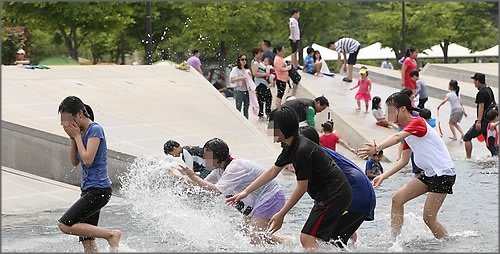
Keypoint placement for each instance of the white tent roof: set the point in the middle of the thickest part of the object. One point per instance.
(454, 50)
(493, 51)
(375, 51)
(326, 53)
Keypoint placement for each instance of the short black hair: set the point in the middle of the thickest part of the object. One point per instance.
(194, 51)
(310, 133)
(169, 146)
(285, 119)
(267, 43)
(380, 153)
(491, 114)
(330, 43)
(322, 101)
(310, 50)
(414, 73)
(425, 113)
(294, 11)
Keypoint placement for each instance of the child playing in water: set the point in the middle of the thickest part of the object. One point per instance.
(191, 155)
(373, 166)
(365, 85)
(457, 109)
(330, 139)
(492, 132)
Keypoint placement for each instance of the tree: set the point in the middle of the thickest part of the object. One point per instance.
(456, 22)
(74, 20)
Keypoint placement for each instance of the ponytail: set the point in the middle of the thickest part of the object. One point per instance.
(88, 112)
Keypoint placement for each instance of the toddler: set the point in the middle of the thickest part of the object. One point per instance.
(269, 70)
(373, 167)
(365, 85)
(492, 132)
(379, 114)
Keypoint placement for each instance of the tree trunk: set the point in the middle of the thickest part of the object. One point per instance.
(74, 51)
(67, 38)
(445, 49)
(222, 60)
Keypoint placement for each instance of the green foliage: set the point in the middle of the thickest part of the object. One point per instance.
(9, 47)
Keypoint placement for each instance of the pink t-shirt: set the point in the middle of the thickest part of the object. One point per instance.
(279, 62)
(329, 141)
(411, 65)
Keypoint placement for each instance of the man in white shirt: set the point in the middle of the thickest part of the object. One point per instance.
(387, 64)
(294, 36)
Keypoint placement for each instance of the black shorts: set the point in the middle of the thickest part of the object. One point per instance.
(87, 208)
(438, 184)
(281, 87)
(353, 56)
(348, 224)
(472, 132)
(324, 217)
(294, 45)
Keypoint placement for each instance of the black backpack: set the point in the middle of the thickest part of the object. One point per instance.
(493, 104)
(294, 75)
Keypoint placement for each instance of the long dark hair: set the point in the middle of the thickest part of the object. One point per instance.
(400, 99)
(454, 86)
(73, 105)
(239, 62)
(376, 102)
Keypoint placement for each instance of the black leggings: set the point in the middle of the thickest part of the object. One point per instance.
(281, 88)
(264, 96)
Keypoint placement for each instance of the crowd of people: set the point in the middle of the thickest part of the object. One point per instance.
(343, 194)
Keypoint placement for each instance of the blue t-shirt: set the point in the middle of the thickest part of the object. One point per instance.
(95, 176)
(308, 63)
(363, 195)
(375, 167)
(432, 122)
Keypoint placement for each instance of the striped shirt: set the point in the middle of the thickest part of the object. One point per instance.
(346, 45)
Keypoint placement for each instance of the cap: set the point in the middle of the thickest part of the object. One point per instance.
(363, 71)
(21, 52)
(478, 76)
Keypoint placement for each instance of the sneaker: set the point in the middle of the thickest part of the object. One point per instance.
(346, 79)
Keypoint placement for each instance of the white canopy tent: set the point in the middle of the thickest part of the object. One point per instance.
(326, 53)
(375, 52)
(491, 52)
(454, 50)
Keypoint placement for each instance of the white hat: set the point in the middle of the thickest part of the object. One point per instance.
(21, 52)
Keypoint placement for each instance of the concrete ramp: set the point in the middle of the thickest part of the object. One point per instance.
(140, 107)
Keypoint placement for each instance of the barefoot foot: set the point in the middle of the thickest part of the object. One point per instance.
(114, 240)
(453, 138)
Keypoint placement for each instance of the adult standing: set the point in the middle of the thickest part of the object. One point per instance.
(238, 81)
(87, 148)
(409, 65)
(387, 64)
(484, 100)
(343, 47)
(267, 52)
(194, 60)
(293, 24)
(264, 95)
(281, 72)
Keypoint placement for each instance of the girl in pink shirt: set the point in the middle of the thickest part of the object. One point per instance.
(365, 86)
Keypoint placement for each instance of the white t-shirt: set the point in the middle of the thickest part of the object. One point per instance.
(238, 175)
(430, 152)
(453, 99)
(294, 26)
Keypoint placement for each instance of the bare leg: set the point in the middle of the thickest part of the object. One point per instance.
(451, 124)
(294, 60)
(278, 102)
(366, 106)
(460, 130)
(84, 229)
(259, 235)
(431, 208)
(349, 69)
(359, 105)
(468, 149)
(409, 191)
(90, 246)
(309, 242)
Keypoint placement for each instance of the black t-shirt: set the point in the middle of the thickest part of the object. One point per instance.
(300, 105)
(218, 86)
(197, 153)
(486, 96)
(312, 163)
